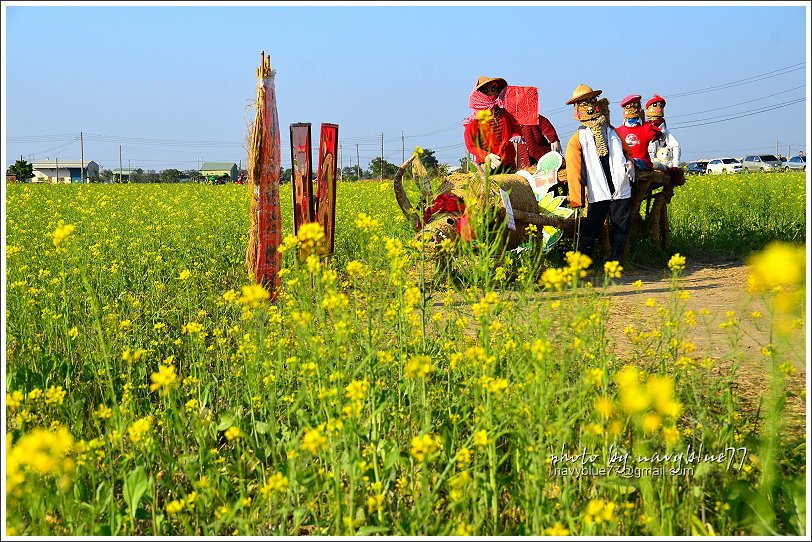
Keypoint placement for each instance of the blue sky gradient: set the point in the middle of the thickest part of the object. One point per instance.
(174, 85)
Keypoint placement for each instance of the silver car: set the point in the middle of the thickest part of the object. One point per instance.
(762, 162)
(796, 163)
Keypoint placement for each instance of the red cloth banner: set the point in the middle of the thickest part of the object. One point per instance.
(302, 174)
(523, 104)
(269, 212)
(326, 191)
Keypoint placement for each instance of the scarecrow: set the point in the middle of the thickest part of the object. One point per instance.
(636, 132)
(490, 130)
(663, 151)
(598, 159)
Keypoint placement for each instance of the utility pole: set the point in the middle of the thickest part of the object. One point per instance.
(341, 162)
(380, 177)
(358, 161)
(129, 172)
(120, 166)
(57, 169)
(82, 154)
(776, 148)
(402, 147)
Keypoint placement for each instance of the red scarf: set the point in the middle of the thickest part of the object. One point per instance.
(479, 101)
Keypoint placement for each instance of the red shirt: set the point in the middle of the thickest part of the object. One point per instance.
(483, 138)
(538, 138)
(638, 138)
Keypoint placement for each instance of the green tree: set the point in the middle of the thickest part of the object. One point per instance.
(349, 173)
(106, 175)
(430, 162)
(137, 175)
(379, 167)
(171, 176)
(22, 170)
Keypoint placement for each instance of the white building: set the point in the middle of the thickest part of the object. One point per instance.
(68, 171)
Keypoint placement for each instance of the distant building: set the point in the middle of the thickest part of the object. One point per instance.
(68, 171)
(122, 174)
(218, 169)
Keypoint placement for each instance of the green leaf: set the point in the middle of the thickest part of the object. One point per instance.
(134, 487)
(750, 508)
(225, 422)
(261, 428)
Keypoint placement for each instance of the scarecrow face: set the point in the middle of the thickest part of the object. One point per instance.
(587, 109)
(656, 110)
(491, 89)
(632, 110)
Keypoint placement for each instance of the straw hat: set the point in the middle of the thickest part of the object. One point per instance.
(629, 99)
(581, 93)
(485, 80)
(654, 99)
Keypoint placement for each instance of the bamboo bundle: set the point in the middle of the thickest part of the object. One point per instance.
(263, 259)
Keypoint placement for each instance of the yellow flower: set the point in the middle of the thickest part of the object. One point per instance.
(253, 295)
(670, 435)
(313, 441)
(278, 483)
(463, 456)
(419, 366)
(557, 530)
(780, 264)
(62, 232)
(676, 263)
(163, 379)
(594, 377)
(55, 395)
(598, 511)
(424, 445)
(104, 412)
(604, 407)
(651, 422)
(481, 438)
(356, 269)
(484, 115)
(365, 222)
(139, 428)
(613, 269)
(578, 261)
(173, 507)
(185, 274)
(357, 389)
(233, 433)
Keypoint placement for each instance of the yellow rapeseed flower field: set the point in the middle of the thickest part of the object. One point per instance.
(152, 389)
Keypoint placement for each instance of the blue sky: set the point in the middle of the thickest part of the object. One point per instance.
(174, 85)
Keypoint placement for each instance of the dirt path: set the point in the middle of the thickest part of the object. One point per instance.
(718, 286)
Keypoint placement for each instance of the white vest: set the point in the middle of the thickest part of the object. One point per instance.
(593, 172)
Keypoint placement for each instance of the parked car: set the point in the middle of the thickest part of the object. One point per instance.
(696, 168)
(724, 165)
(761, 162)
(795, 163)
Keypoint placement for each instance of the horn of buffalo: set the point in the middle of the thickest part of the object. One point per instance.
(400, 194)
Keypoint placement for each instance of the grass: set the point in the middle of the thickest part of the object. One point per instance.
(152, 391)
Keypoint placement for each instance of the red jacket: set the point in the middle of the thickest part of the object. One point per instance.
(481, 139)
(638, 138)
(538, 138)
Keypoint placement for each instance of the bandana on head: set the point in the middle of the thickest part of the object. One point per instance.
(479, 101)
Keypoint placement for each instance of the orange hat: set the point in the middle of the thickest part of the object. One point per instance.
(654, 99)
(581, 93)
(485, 80)
(629, 99)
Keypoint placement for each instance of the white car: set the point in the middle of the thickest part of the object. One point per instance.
(724, 165)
